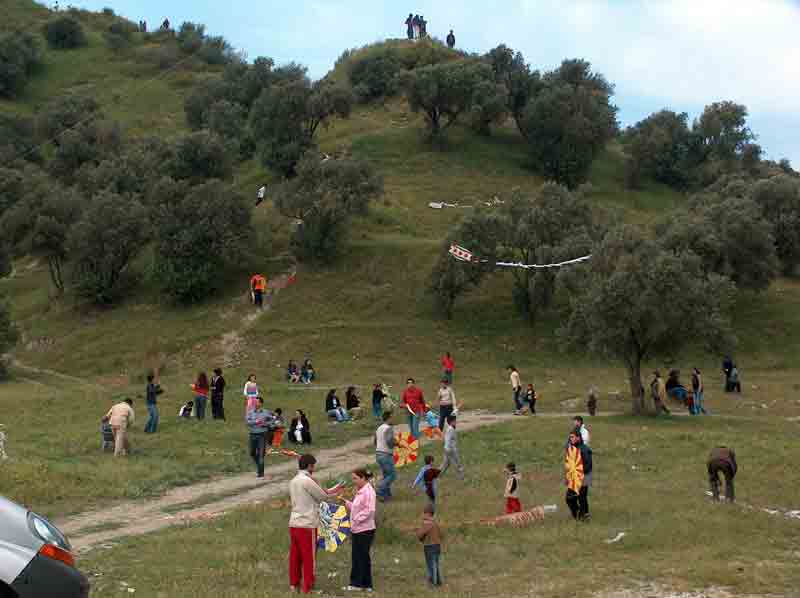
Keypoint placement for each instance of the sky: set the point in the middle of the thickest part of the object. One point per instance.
(676, 54)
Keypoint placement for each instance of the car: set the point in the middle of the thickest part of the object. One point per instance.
(36, 560)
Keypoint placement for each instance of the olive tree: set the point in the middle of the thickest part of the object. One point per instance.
(635, 300)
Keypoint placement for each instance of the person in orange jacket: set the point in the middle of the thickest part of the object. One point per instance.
(258, 286)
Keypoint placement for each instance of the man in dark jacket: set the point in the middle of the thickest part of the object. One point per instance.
(218, 395)
(152, 392)
(451, 40)
(722, 459)
(410, 26)
(578, 499)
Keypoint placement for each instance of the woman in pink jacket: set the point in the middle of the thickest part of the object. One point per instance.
(362, 527)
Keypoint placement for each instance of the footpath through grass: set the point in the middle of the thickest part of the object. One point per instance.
(649, 483)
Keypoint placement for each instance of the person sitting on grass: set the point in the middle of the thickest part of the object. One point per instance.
(333, 407)
(300, 429)
(292, 373)
(353, 403)
(186, 410)
(307, 373)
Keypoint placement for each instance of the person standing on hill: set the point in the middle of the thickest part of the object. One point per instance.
(258, 286)
(722, 460)
(362, 521)
(415, 26)
(414, 402)
(258, 422)
(698, 391)
(516, 389)
(151, 392)
(451, 455)
(423, 27)
(578, 468)
(410, 26)
(384, 456)
(306, 495)
(447, 402)
(121, 417)
(451, 40)
(448, 367)
(218, 395)
(658, 390)
(377, 400)
(250, 393)
(513, 505)
(200, 388)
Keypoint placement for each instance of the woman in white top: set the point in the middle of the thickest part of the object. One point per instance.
(251, 393)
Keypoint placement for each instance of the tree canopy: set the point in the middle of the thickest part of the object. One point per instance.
(637, 300)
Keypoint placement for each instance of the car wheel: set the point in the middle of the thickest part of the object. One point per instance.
(6, 592)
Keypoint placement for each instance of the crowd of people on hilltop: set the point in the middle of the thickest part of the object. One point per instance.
(417, 28)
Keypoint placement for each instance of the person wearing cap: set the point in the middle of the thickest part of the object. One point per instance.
(306, 495)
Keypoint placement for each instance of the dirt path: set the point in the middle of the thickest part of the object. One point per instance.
(211, 499)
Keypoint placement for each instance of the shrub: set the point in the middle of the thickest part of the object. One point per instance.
(376, 76)
(20, 57)
(200, 156)
(64, 33)
(200, 232)
(65, 113)
(8, 336)
(103, 244)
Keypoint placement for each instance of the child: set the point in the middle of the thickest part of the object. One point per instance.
(530, 398)
(427, 477)
(107, 434)
(512, 490)
(186, 410)
(278, 426)
(431, 537)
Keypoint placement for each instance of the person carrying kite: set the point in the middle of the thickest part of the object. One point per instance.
(578, 476)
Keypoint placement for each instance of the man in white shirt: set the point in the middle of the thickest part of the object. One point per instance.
(516, 389)
(581, 427)
(306, 496)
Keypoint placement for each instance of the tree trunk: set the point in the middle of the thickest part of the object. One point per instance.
(637, 391)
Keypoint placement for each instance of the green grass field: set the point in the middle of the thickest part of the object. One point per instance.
(649, 483)
(366, 318)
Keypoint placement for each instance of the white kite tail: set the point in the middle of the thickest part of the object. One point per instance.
(576, 260)
(465, 255)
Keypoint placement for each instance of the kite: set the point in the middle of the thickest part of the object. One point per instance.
(438, 205)
(406, 449)
(334, 526)
(521, 519)
(465, 255)
(573, 468)
(282, 451)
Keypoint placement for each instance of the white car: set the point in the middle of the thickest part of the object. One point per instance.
(36, 560)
